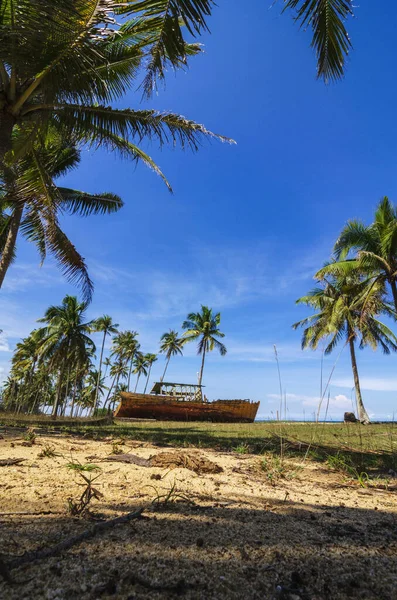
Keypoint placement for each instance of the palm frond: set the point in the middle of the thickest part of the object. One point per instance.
(165, 128)
(160, 23)
(71, 262)
(330, 40)
(76, 202)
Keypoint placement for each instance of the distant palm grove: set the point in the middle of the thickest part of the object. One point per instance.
(57, 367)
(355, 289)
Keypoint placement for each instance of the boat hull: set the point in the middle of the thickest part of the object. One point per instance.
(166, 408)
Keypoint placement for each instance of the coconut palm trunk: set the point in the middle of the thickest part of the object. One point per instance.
(202, 365)
(137, 381)
(58, 394)
(362, 413)
(129, 374)
(393, 286)
(147, 378)
(166, 367)
(74, 394)
(9, 247)
(110, 391)
(99, 375)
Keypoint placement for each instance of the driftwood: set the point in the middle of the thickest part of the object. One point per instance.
(125, 458)
(32, 556)
(8, 462)
(165, 460)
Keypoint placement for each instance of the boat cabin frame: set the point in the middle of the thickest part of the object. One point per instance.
(189, 392)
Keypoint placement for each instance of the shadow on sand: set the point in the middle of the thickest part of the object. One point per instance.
(220, 551)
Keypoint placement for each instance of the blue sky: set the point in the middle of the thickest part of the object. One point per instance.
(248, 224)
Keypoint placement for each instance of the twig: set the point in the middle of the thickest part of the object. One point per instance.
(68, 543)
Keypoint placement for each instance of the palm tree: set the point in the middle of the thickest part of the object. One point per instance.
(376, 247)
(105, 325)
(65, 340)
(330, 41)
(204, 326)
(92, 383)
(122, 387)
(23, 366)
(63, 64)
(150, 359)
(140, 367)
(346, 309)
(170, 345)
(31, 202)
(118, 371)
(125, 346)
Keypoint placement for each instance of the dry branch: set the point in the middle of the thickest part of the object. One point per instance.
(8, 462)
(66, 544)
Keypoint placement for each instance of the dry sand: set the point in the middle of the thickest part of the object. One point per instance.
(309, 536)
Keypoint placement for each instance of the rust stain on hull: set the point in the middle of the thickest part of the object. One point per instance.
(166, 408)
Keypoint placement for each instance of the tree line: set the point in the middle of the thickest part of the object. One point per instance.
(354, 290)
(55, 365)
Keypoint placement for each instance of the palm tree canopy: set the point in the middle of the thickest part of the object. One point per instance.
(140, 364)
(204, 326)
(371, 249)
(331, 41)
(347, 308)
(125, 345)
(29, 184)
(150, 358)
(105, 325)
(171, 344)
(66, 334)
(375, 244)
(63, 63)
(119, 369)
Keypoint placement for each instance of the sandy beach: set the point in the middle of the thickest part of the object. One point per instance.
(300, 531)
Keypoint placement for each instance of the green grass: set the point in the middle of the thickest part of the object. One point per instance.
(344, 446)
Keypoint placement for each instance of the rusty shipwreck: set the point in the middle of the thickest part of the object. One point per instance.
(183, 402)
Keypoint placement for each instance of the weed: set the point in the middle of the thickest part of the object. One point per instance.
(276, 468)
(343, 463)
(170, 496)
(30, 436)
(76, 466)
(48, 452)
(117, 448)
(81, 506)
(242, 449)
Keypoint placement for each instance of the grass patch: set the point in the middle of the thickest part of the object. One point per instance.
(367, 449)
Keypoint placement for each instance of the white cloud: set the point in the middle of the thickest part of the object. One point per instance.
(378, 384)
(4, 346)
(222, 277)
(339, 401)
(264, 352)
(22, 276)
